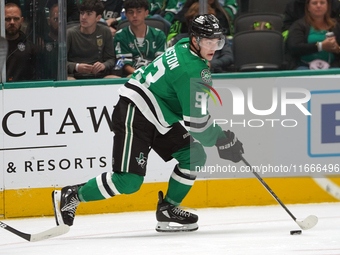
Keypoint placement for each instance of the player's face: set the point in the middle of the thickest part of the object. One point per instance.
(13, 21)
(317, 8)
(207, 54)
(136, 16)
(209, 46)
(88, 19)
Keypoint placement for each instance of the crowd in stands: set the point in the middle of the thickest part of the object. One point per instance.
(99, 46)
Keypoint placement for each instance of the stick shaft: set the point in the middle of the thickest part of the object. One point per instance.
(15, 231)
(268, 188)
(49, 233)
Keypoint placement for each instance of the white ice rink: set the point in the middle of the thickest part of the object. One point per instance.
(238, 230)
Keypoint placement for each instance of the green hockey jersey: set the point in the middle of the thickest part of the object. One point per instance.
(173, 88)
(136, 53)
(166, 8)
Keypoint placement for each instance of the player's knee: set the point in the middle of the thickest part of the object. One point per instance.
(127, 183)
(197, 155)
(191, 156)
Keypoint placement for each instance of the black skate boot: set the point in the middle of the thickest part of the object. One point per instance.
(167, 213)
(65, 203)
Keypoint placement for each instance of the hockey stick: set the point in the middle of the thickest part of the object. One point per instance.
(53, 232)
(305, 224)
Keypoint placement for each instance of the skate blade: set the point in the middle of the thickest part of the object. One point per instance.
(166, 227)
(56, 196)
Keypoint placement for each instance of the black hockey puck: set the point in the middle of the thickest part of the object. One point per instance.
(296, 232)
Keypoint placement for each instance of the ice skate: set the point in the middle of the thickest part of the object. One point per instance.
(65, 203)
(179, 219)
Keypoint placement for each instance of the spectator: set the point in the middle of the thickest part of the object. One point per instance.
(72, 12)
(90, 52)
(165, 10)
(138, 43)
(296, 10)
(225, 14)
(53, 22)
(112, 9)
(222, 58)
(307, 41)
(112, 12)
(48, 59)
(21, 56)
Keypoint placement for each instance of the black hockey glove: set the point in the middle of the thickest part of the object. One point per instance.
(229, 148)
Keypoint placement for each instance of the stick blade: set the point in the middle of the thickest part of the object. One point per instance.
(53, 232)
(308, 223)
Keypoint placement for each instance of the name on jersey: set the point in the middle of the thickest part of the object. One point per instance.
(171, 58)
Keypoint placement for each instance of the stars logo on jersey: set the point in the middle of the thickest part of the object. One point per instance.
(49, 47)
(21, 46)
(131, 45)
(141, 160)
(206, 75)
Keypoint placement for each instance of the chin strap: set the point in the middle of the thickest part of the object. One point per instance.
(197, 51)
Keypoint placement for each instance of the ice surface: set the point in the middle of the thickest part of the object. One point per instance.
(234, 230)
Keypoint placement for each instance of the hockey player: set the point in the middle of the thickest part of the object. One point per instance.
(147, 116)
